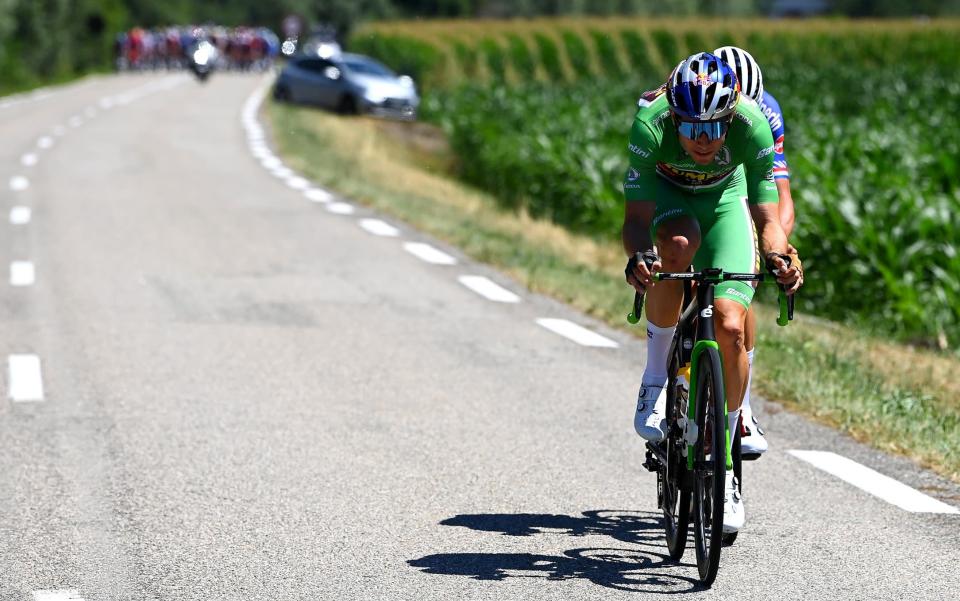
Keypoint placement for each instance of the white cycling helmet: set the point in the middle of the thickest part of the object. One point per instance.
(747, 70)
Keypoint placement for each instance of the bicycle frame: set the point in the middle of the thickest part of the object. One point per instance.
(705, 338)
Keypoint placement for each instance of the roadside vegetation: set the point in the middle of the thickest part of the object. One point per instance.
(542, 109)
(833, 373)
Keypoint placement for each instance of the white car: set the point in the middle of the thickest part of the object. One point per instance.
(349, 84)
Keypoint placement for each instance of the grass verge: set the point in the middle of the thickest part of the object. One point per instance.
(891, 396)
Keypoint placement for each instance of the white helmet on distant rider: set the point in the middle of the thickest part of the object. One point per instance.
(747, 70)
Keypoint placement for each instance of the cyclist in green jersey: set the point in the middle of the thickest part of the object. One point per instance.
(700, 179)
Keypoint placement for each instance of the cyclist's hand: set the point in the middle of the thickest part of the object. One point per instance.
(640, 270)
(788, 270)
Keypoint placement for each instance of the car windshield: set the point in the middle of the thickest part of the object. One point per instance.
(366, 66)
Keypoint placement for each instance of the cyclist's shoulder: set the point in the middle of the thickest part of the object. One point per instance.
(749, 123)
(647, 133)
(652, 108)
(768, 103)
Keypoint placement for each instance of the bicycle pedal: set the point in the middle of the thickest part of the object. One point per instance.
(651, 462)
(750, 456)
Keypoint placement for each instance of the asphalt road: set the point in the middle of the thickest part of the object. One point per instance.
(247, 396)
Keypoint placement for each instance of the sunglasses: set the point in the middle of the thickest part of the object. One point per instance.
(714, 130)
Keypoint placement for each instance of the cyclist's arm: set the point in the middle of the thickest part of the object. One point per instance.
(786, 205)
(639, 188)
(636, 226)
(772, 237)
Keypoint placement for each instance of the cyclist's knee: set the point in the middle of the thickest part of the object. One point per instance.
(677, 242)
(730, 326)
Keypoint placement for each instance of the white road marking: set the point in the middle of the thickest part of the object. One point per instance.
(341, 208)
(428, 253)
(487, 288)
(45, 142)
(261, 152)
(379, 228)
(20, 215)
(282, 172)
(272, 163)
(22, 273)
(890, 490)
(318, 195)
(298, 183)
(61, 595)
(575, 332)
(24, 377)
(18, 183)
(29, 160)
(75, 121)
(106, 102)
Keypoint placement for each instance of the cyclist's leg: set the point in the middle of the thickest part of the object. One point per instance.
(728, 242)
(677, 236)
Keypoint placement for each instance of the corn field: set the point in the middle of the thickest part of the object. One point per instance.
(539, 112)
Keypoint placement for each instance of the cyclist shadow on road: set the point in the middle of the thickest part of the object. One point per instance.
(645, 569)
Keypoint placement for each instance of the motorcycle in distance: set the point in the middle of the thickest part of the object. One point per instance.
(201, 59)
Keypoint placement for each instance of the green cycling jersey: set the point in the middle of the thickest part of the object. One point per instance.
(716, 196)
(655, 151)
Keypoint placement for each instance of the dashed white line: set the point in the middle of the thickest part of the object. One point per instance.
(18, 183)
(24, 377)
(577, 333)
(22, 273)
(60, 595)
(29, 160)
(318, 195)
(297, 183)
(341, 208)
(106, 103)
(886, 488)
(20, 215)
(271, 162)
(379, 228)
(282, 172)
(427, 253)
(487, 288)
(75, 121)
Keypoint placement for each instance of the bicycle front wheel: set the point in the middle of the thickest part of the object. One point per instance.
(710, 464)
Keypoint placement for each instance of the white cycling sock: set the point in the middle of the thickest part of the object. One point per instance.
(658, 346)
(733, 418)
(747, 412)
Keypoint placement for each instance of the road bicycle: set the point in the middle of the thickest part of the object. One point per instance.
(691, 461)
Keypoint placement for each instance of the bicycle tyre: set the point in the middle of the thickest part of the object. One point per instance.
(676, 501)
(709, 472)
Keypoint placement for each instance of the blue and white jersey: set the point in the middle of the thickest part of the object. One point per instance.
(771, 110)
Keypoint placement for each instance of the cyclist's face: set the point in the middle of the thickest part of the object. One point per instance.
(702, 150)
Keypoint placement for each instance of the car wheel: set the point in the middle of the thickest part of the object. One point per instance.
(347, 105)
(281, 93)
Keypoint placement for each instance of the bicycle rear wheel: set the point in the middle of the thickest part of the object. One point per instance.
(710, 464)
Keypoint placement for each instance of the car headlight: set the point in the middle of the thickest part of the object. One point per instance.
(374, 97)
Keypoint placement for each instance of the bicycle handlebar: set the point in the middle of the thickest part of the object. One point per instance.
(784, 301)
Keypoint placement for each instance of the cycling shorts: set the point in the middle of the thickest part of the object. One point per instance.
(727, 233)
